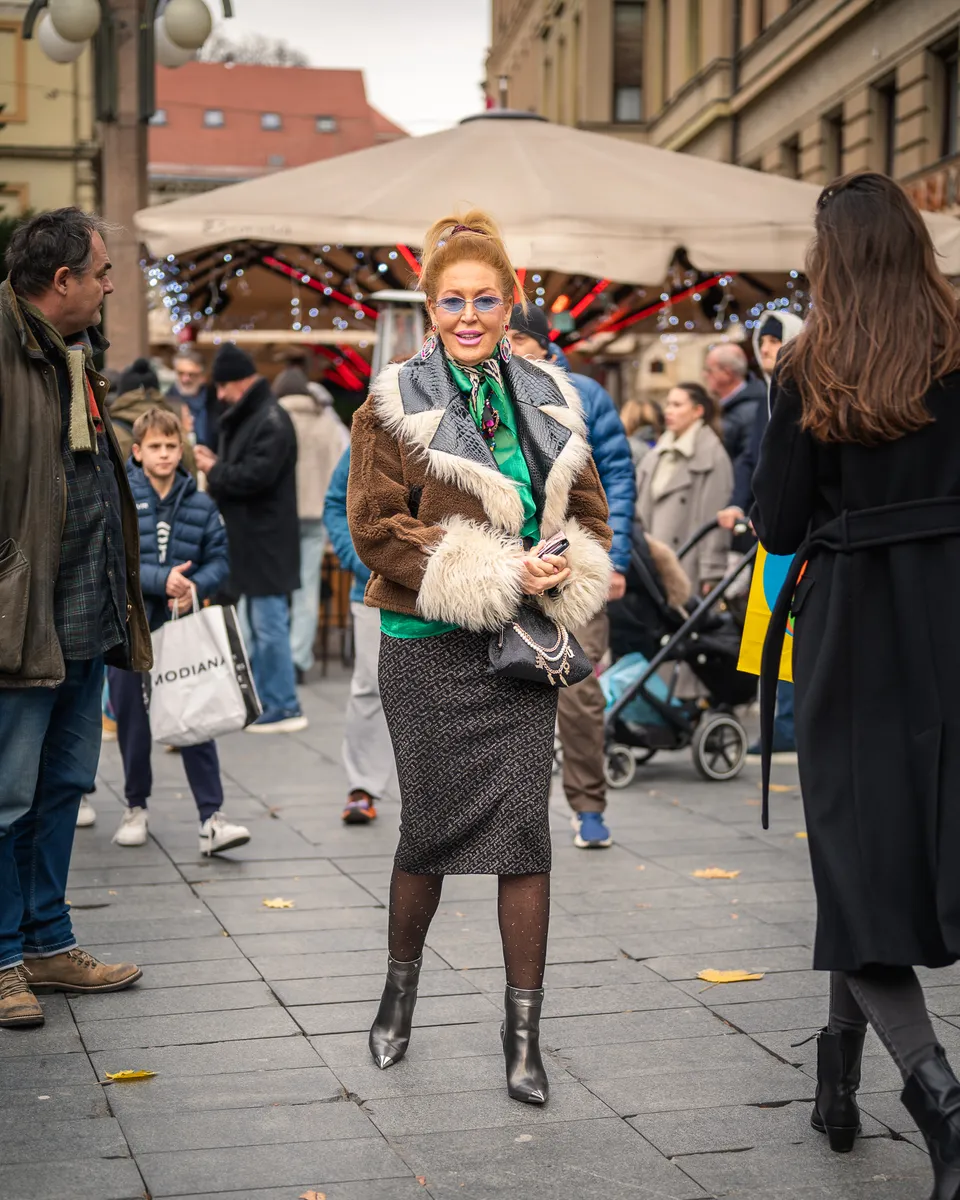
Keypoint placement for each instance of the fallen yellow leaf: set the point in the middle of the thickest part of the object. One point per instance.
(781, 787)
(711, 976)
(641, 867)
(422, 1180)
(801, 834)
(124, 1076)
(314, 1196)
(715, 873)
(112, 893)
(278, 902)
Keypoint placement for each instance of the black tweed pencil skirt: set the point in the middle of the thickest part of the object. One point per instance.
(474, 755)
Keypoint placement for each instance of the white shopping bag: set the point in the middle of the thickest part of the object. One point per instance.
(201, 685)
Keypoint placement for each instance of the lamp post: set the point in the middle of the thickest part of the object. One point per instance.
(128, 38)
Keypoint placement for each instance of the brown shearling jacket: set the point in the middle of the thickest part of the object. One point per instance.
(438, 524)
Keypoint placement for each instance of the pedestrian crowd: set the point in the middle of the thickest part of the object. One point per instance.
(491, 505)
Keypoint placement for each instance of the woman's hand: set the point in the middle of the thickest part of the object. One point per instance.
(542, 574)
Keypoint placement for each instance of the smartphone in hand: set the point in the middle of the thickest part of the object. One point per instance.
(558, 545)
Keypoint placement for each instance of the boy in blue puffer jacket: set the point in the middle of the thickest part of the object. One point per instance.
(183, 550)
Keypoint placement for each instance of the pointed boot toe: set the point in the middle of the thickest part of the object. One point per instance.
(932, 1097)
(390, 1034)
(526, 1076)
(835, 1109)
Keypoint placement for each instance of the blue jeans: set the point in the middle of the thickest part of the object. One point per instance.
(783, 731)
(201, 763)
(49, 750)
(266, 628)
(305, 606)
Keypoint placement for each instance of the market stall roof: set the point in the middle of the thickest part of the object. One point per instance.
(567, 199)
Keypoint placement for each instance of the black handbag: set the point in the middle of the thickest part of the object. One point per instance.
(539, 650)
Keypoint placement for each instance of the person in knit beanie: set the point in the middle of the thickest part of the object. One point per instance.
(138, 391)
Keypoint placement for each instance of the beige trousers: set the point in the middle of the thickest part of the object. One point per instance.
(580, 723)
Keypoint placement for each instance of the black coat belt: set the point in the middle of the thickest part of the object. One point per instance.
(850, 532)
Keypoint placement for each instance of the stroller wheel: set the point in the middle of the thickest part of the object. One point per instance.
(719, 747)
(619, 766)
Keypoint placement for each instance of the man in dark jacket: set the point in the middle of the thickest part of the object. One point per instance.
(580, 715)
(254, 482)
(728, 380)
(69, 595)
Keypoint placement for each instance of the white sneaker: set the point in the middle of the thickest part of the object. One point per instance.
(133, 828)
(86, 815)
(217, 834)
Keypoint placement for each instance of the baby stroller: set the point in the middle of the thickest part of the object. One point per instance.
(643, 714)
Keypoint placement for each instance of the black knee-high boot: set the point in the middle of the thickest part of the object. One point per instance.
(835, 1110)
(390, 1034)
(526, 1077)
(932, 1097)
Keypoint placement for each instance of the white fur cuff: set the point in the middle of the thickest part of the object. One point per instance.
(473, 577)
(586, 591)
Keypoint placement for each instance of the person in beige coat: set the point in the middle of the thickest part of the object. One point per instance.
(321, 439)
(684, 481)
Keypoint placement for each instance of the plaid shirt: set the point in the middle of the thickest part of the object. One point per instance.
(89, 599)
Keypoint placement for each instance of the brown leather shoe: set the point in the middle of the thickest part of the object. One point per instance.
(19, 1007)
(77, 971)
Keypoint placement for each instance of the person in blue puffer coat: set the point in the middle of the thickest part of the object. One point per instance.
(183, 560)
(367, 749)
(580, 715)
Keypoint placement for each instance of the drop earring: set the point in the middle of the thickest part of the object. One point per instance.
(506, 350)
(429, 344)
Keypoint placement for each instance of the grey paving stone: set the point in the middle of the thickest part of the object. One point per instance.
(123, 1034)
(90, 931)
(562, 1032)
(35, 1069)
(284, 923)
(191, 974)
(621, 998)
(358, 988)
(470, 955)
(156, 1002)
(221, 871)
(753, 1084)
(811, 1163)
(404, 1115)
(168, 1174)
(625, 1059)
(747, 934)
(331, 966)
(688, 966)
(711, 1130)
(24, 1139)
(56, 1102)
(778, 985)
(440, 1042)
(47, 1039)
(329, 941)
(219, 1058)
(237, 1090)
(431, 1010)
(582, 1160)
(366, 1189)
(766, 1016)
(416, 1076)
(276, 1125)
(87, 1179)
(109, 876)
(176, 950)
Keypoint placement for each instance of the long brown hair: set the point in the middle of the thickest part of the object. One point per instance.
(885, 322)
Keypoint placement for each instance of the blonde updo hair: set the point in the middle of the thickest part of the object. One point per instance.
(474, 237)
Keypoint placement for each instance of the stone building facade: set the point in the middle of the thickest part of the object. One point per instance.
(805, 88)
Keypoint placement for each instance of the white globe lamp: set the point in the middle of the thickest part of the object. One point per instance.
(75, 20)
(169, 54)
(54, 46)
(188, 23)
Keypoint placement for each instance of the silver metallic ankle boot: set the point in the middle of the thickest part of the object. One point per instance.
(520, 1031)
(390, 1034)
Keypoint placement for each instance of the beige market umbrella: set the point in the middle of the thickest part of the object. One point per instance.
(568, 200)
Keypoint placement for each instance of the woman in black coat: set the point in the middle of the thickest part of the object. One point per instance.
(860, 476)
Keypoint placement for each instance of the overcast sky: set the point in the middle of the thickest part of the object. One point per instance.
(422, 59)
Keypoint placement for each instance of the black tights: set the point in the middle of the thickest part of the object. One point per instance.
(891, 999)
(523, 909)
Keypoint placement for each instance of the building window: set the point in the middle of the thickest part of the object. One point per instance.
(213, 118)
(949, 100)
(628, 61)
(790, 158)
(833, 145)
(694, 50)
(159, 117)
(271, 121)
(886, 107)
(326, 124)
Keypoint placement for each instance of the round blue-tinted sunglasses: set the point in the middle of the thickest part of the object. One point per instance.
(456, 304)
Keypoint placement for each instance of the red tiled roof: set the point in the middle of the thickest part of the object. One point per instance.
(241, 147)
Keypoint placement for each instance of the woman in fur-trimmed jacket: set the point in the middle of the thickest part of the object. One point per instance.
(463, 460)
